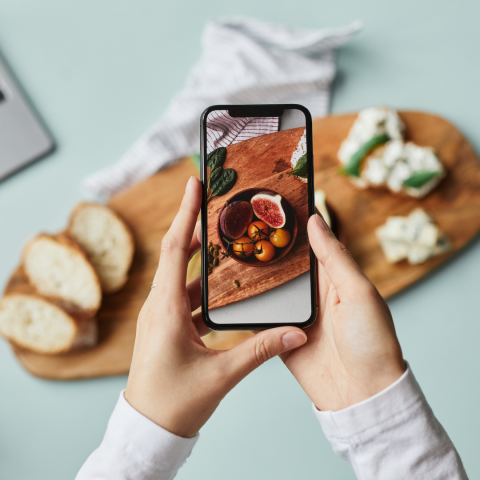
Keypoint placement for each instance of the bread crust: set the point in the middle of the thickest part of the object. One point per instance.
(86, 331)
(65, 240)
(127, 230)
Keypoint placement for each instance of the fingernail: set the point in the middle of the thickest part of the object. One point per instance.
(293, 340)
(321, 222)
(189, 184)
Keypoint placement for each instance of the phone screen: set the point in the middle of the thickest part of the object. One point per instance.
(257, 262)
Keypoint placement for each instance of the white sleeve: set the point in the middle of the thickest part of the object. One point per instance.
(135, 448)
(393, 435)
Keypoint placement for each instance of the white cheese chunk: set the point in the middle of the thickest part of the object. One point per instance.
(415, 238)
(370, 122)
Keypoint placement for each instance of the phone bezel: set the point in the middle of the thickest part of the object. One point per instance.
(255, 110)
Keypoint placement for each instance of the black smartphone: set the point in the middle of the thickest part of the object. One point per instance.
(258, 270)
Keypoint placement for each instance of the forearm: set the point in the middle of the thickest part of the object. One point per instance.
(393, 435)
(136, 448)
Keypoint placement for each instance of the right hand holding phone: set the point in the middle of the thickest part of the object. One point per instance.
(352, 352)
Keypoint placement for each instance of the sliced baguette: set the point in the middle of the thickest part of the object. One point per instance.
(106, 239)
(37, 324)
(57, 267)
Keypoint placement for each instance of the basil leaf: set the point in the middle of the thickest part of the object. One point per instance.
(353, 166)
(419, 179)
(301, 168)
(216, 158)
(196, 160)
(213, 176)
(224, 183)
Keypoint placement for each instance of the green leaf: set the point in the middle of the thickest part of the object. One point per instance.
(419, 179)
(301, 168)
(223, 184)
(196, 160)
(216, 158)
(353, 166)
(214, 175)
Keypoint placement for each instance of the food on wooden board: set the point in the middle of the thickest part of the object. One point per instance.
(268, 208)
(299, 160)
(235, 219)
(106, 239)
(40, 325)
(415, 238)
(374, 154)
(320, 203)
(264, 251)
(57, 267)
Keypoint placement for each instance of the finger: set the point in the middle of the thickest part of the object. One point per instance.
(250, 354)
(195, 293)
(339, 265)
(202, 329)
(176, 243)
(196, 242)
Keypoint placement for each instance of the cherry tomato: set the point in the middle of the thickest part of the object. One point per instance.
(264, 250)
(258, 230)
(242, 247)
(280, 238)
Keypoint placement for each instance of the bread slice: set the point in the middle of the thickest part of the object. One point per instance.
(106, 239)
(57, 267)
(37, 324)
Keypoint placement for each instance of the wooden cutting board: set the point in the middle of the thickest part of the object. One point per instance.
(150, 207)
(261, 162)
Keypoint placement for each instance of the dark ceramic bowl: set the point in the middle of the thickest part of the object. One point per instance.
(290, 225)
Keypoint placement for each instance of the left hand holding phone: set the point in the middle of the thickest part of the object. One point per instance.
(175, 380)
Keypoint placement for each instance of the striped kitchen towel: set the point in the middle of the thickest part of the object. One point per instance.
(224, 130)
(243, 61)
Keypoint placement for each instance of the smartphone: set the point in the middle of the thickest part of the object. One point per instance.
(258, 270)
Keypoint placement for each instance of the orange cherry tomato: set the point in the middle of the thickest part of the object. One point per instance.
(258, 230)
(280, 238)
(264, 250)
(242, 247)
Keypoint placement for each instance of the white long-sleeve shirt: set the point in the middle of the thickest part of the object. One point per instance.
(392, 435)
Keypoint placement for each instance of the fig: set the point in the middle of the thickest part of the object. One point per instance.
(268, 208)
(235, 219)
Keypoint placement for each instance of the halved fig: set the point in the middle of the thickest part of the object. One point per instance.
(268, 208)
(235, 219)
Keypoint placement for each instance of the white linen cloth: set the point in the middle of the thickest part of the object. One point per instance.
(392, 436)
(243, 61)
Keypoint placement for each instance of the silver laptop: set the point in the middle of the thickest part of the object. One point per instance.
(23, 138)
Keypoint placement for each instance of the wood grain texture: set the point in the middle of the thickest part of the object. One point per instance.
(261, 162)
(150, 206)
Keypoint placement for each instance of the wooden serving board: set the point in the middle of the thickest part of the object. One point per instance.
(261, 162)
(150, 207)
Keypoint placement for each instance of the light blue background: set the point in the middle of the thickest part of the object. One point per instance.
(102, 71)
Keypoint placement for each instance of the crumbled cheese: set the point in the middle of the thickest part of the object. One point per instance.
(299, 152)
(370, 122)
(415, 238)
(397, 161)
(321, 204)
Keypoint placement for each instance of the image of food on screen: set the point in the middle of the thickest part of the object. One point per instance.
(257, 205)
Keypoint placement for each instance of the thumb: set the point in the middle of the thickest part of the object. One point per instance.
(250, 354)
(341, 268)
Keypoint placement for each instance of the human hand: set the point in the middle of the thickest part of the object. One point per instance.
(176, 381)
(352, 351)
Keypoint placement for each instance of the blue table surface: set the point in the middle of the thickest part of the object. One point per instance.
(100, 73)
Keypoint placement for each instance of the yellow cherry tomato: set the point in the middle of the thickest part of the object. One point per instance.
(258, 230)
(243, 247)
(264, 250)
(280, 238)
